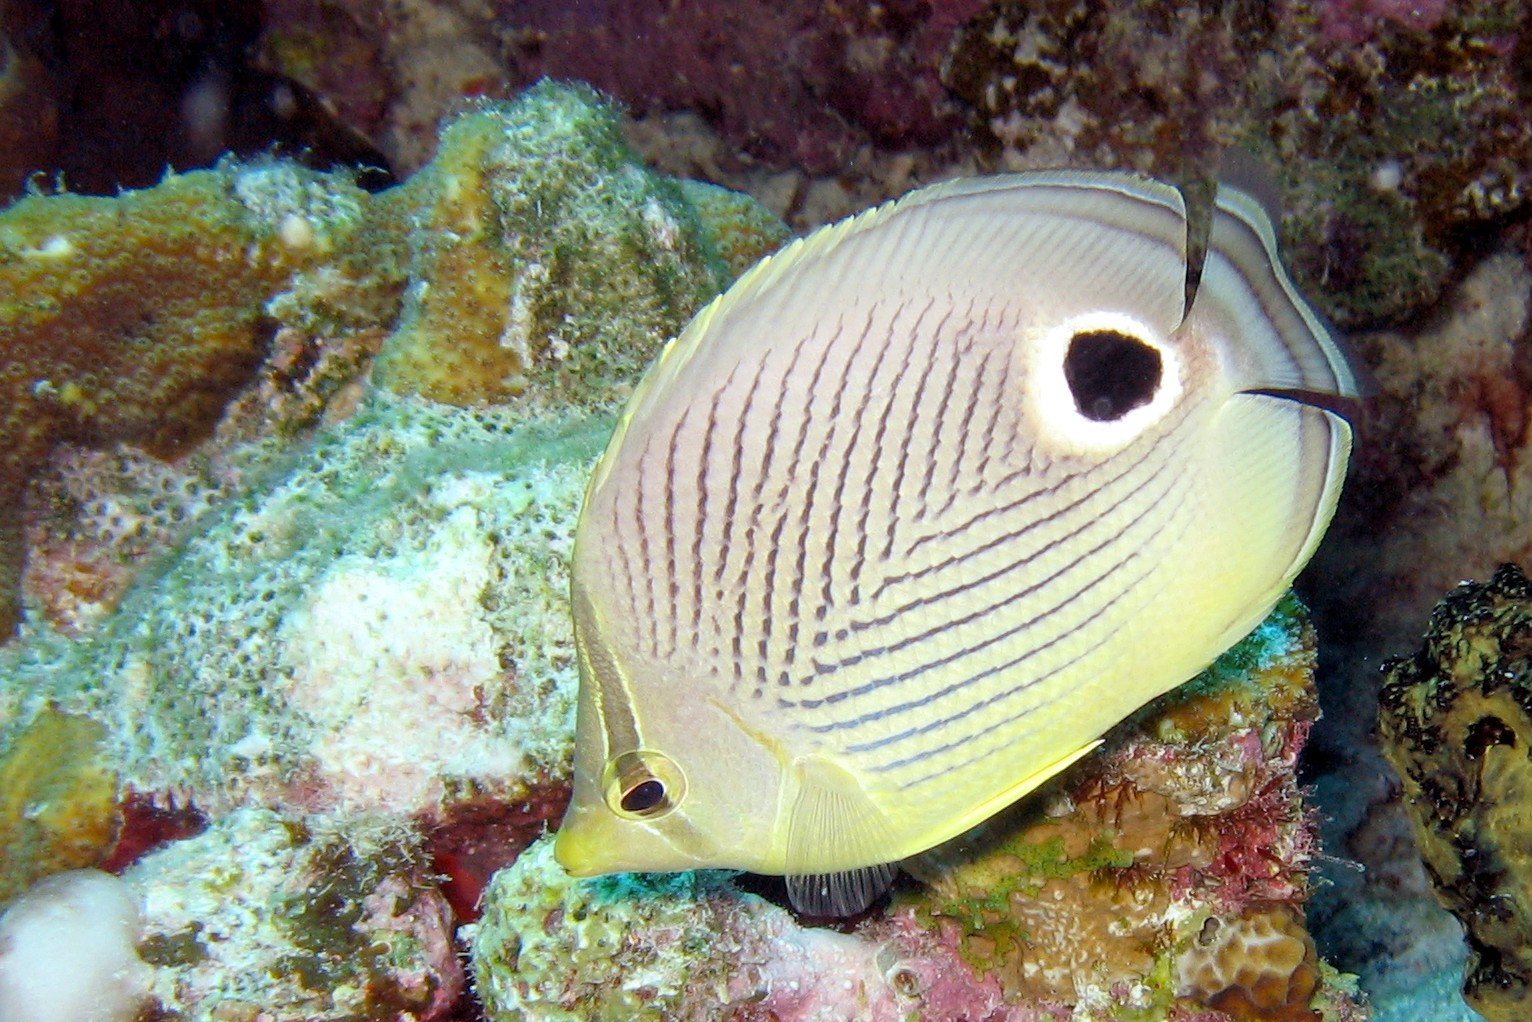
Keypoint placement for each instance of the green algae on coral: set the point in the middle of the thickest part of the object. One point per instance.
(639, 947)
(545, 252)
(58, 800)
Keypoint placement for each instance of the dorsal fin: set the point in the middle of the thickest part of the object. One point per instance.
(836, 837)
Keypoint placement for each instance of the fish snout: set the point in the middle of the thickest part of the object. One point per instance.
(583, 843)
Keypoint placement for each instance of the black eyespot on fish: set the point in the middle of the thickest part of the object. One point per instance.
(1110, 374)
(642, 798)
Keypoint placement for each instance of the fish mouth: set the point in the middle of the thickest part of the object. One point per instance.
(577, 845)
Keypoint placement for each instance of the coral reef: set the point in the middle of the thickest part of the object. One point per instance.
(1450, 492)
(535, 254)
(311, 680)
(324, 924)
(541, 246)
(1396, 131)
(1163, 879)
(1152, 87)
(337, 630)
(1456, 720)
(1393, 135)
(408, 566)
(135, 318)
(1441, 491)
(1261, 965)
(1398, 150)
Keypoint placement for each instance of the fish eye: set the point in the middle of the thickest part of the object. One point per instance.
(643, 785)
(1110, 373)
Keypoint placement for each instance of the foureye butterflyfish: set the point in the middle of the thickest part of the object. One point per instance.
(900, 525)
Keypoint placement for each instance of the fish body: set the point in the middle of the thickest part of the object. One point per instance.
(903, 522)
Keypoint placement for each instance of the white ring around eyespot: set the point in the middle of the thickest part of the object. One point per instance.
(1059, 424)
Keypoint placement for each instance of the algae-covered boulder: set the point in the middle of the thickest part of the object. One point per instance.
(1457, 725)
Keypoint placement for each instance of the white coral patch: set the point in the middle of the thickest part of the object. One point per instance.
(391, 658)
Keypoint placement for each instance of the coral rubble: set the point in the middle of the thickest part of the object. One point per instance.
(1456, 720)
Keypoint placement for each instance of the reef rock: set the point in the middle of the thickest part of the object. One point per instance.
(1395, 132)
(267, 918)
(1456, 720)
(323, 657)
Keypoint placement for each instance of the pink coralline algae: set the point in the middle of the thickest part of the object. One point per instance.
(1356, 20)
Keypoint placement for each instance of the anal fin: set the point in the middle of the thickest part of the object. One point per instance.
(845, 893)
(838, 843)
